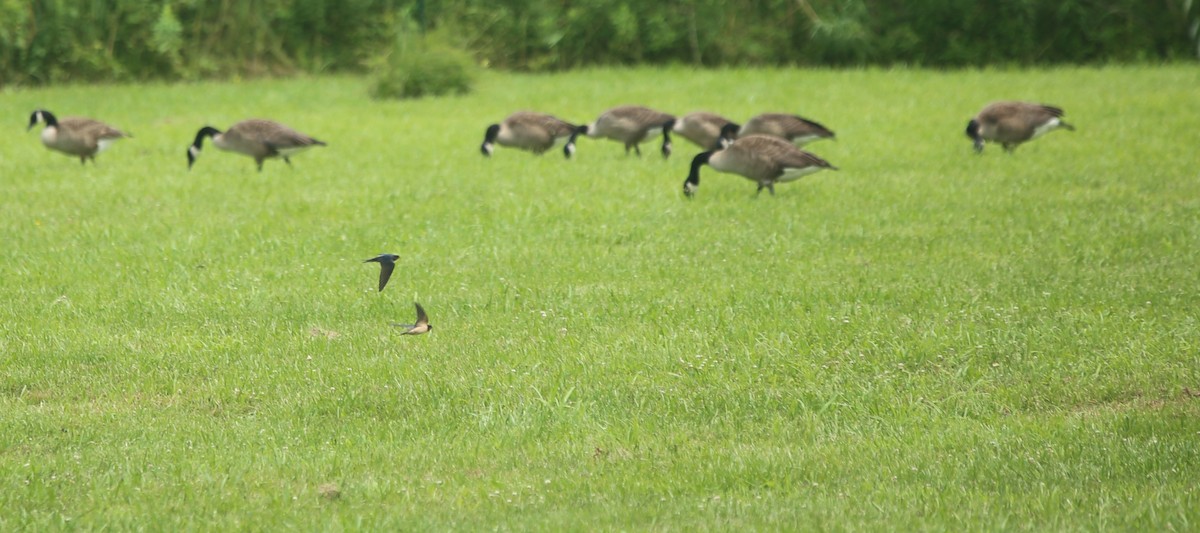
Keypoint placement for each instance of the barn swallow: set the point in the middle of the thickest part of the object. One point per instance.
(420, 327)
(387, 263)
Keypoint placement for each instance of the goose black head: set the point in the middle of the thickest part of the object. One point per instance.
(728, 135)
(489, 137)
(41, 115)
(973, 133)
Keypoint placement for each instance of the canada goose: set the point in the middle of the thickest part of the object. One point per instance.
(791, 127)
(536, 132)
(1012, 123)
(759, 158)
(633, 125)
(704, 129)
(260, 139)
(75, 136)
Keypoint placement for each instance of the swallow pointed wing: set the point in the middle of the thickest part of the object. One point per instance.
(385, 273)
(422, 318)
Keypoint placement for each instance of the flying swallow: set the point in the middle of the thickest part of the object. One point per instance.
(420, 327)
(387, 263)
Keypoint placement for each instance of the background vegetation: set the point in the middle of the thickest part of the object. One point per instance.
(45, 41)
(422, 67)
(925, 340)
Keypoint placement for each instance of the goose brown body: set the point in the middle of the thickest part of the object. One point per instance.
(75, 136)
(257, 138)
(1011, 123)
(633, 125)
(791, 127)
(701, 128)
(531, 131)
(762, 159)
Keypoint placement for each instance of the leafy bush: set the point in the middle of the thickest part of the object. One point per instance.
(423, 69)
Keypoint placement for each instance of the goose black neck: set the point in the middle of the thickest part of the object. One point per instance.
(666, 132)
(207, 131)
(700, 160)
(973, 129)
(666, 129)
(575, 132)
(492, 132)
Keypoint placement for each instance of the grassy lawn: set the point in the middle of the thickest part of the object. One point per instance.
(925, 340)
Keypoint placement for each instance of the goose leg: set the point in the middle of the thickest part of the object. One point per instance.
(286, 160)
(260, 162)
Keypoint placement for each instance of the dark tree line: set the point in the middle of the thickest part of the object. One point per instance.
(46, 41)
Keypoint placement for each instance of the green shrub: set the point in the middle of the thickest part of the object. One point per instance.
(424, 69)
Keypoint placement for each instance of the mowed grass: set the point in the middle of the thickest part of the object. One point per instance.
(925, 340)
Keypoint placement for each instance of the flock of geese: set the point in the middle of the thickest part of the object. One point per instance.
(765, 150)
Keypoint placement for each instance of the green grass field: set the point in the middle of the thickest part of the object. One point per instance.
(925, 340)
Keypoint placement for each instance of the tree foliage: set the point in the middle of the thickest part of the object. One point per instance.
(43, 41)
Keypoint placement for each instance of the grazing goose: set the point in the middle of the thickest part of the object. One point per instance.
(1012, 123)
(791, 127)
(536, 132)
(704, 129)
(759, 158)
(260, 139)
(633, 125)
(75, 136)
